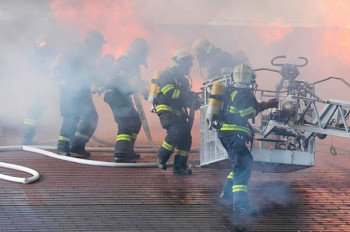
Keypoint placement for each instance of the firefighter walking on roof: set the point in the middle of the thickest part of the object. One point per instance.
(173, 99)
(235, 132)
(119, 88)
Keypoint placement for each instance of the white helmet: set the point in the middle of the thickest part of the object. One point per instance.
(243, 74)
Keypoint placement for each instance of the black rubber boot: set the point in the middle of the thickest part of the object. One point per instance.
(226, 193)
(78, 147)
(241, 204)
(163, 157)
(124, 158)
(63, 148)
(180, 165)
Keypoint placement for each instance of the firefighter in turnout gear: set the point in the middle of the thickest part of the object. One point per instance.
(76, 71)
(119, 88)
(216, 61)
(235, 132)
(42, 63)
(173, 99)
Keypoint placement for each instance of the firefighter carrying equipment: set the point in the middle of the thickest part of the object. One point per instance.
(153, 90)
(215, 104)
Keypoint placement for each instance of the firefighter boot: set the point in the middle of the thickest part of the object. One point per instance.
(28, 134)
(163, 157)
(226, 193)
(180, 166)
(241, 204)
(63, 148)
(124, 158)
(78, 147)
(134, 155)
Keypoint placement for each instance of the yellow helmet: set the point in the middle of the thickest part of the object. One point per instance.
(243, 74)
(139, 46)
(201, 46)
(180, 54)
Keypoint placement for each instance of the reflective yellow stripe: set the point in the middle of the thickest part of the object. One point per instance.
(160, 108)
(167, 88)
(167, 146)
(233, 110)
(28, 121)
(182, 152)
(109, 90)
(234, 127)
(123, 137)
(176, 94)
(233, 95)
(78, 134)
(239, 188)
(230, 176)
(245, 112)
(62, 138)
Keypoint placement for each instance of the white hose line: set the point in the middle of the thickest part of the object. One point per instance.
(91, 162)
(19, 168)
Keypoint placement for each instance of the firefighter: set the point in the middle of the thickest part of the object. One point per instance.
(216, 61)
(235, 132)
(173, 99)
(125, 82)
(41, 62)
(76, 71)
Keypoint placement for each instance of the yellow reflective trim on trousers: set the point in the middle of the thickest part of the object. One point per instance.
(234, 127)
(230, 176)
(233, 110)
(182, 152)
(233, 95)
(62, 138)
(160, 108)
(176, 94)
(123, 137)
(28, 121)
(249, 110)
(109, 90)
(239, 188)
(167, 146)
(167, 88)
(78, 134)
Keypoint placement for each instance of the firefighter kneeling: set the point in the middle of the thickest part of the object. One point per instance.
(234, 133)
(173, 98)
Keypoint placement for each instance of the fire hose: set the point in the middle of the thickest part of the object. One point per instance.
(39, 150)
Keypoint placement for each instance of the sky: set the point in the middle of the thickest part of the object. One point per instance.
(262, 29)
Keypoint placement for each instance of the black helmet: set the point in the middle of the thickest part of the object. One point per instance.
(94, 37)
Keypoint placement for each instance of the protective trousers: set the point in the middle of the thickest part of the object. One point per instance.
(79, 119)
(128, 120)
(35, 111)
(178, 138)
(241, 159)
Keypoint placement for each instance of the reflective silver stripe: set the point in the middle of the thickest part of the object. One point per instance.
(78, 134)
(182, 152)
(28, 121)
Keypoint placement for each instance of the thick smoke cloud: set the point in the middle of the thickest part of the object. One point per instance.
(261, 29)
